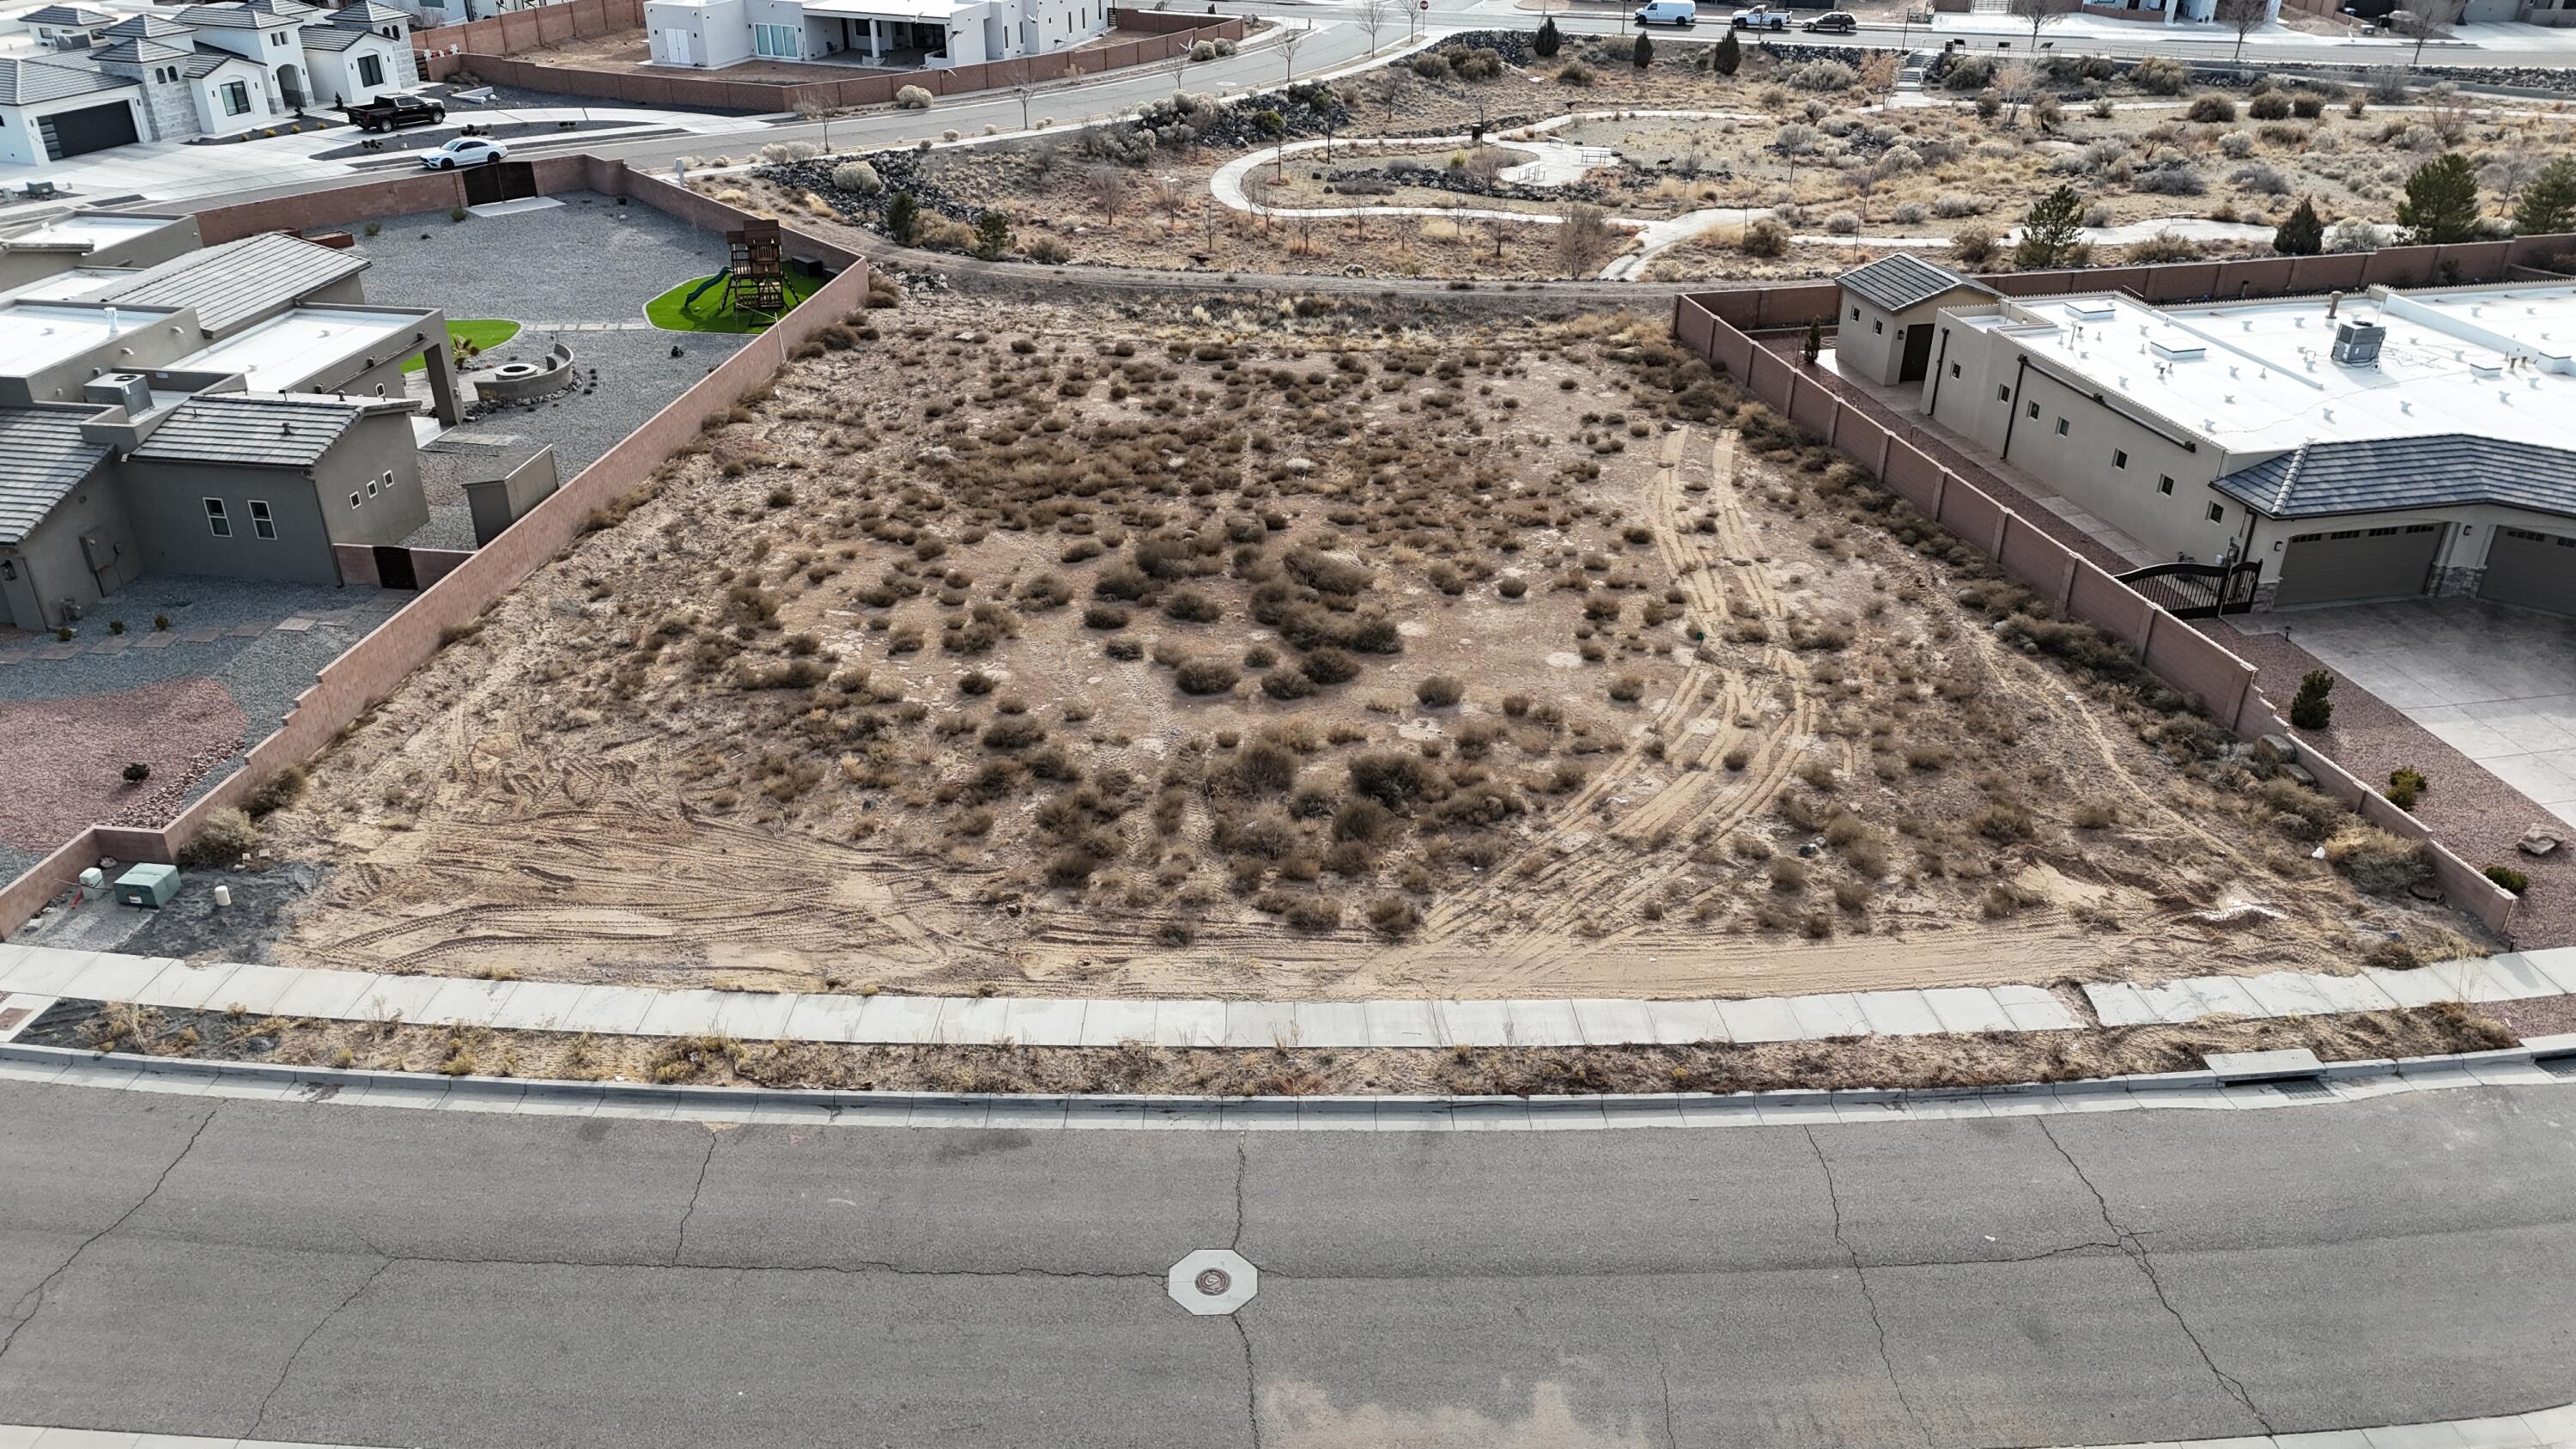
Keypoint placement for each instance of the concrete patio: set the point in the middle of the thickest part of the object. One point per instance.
(2496, 684)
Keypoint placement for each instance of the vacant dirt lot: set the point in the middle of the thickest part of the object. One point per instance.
(1259, 649)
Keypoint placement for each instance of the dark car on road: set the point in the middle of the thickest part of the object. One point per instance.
(1834, 22)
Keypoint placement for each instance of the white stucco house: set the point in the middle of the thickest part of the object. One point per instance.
(896, 34)
(80, 78)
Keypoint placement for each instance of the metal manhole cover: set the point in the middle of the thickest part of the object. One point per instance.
(1213, 1282)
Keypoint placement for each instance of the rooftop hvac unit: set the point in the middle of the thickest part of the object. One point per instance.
(2356, 344)
(129, 390)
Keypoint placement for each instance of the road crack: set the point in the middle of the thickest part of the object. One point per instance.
(259, 1421)
(696, 1192)
(1251, 1387)
(2136, 1248)
(1242, 1164)
(19, 1319)
(1869, 1296)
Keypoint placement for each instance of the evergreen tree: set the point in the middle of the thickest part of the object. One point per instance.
(903, 218)
(1644, 52)
(2300, 234)
(1727, 55)
(2049, 231)
(2310, 709)
(2441, 204)
(2549, 203)
(1545, 45)
(992, 235)
(1814, 346)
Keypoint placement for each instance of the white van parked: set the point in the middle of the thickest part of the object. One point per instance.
(1684, 13)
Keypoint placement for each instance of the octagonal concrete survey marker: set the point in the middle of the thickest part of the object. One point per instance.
(1212, 1282)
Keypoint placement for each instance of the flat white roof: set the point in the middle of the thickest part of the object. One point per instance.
(87, 231)
(290, 347)
(2260, 377)
(34, 336)
(888, 9)
(71, 285)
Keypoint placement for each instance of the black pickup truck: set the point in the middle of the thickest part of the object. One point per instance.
(392, 113)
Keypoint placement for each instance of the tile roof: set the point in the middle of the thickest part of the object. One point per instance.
(1894, 283)
(245, 14)
(138, 51)
(42, 457)
(271, 430)
(238, 281)
(2369, 474)
(66, 15)
(208, 60)
(336, 37)
(25, 82)
(148, 27)
(367, 15)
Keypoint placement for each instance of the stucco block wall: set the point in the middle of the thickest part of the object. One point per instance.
(54, 567)
(166, 502)
(378, 451)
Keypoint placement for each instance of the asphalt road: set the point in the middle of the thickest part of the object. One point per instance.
(381, 1276)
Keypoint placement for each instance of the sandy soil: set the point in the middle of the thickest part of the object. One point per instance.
(831, 706)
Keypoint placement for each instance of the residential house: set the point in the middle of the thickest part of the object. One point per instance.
(901, 34)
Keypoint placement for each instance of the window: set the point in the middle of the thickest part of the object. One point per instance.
(2164, 483)
(2119, 457)
(236, 98)
(1855, 314)
(2034, 411)
(2217, 513)
(371, 488)
(353, 500)
(2002, 393)
(1954, 369)
(1878, 329)
(216, 520)
(261, 523)
(8, 571)
(774, 40)
(277, 38)
(371, 70)
(2061, 427)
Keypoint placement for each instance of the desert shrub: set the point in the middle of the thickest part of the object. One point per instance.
(226, 836)
(857, 176)
(2161, 75)
(2307, 105)
(1265, 767)
(1365, 822)
(1481, 64)
(1951, 205)
(1440, 691)
(137, 772)
(1431, 65)
(2236, 145)
(2509, 878)
(1766, 236)
(2180, 178)
(1843, 223)
(1393, 916)
(1205, 676)
(1330, 666)
(1192, 607)
(1014, 732)
(1822, 75)
(2405, 786)
(1314, 915)
(2211, 108)
(2376, 861)
(912, 98)
(2164, 246)
(2259, 177)
(1973, 245)
(276, 792)
(1627, 689)
(1394, 779)
(2269, 106)
(1575, 73)
(1285, 684)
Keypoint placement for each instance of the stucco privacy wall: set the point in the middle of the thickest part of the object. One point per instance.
(2187, 660)
(489, 46)
(351, 684)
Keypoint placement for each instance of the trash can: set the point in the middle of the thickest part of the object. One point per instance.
(148, 885)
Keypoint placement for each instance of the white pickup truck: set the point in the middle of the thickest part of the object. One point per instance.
(1760, 17)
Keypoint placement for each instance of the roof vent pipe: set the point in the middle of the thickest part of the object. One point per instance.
(2333, 300)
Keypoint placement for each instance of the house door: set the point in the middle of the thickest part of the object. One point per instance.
(1918, 353)
(393, 568)
(2357, 563)
(290, 87)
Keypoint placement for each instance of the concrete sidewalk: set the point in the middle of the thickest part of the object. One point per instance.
(35, 973)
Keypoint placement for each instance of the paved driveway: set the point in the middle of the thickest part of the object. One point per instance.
(2496, 684)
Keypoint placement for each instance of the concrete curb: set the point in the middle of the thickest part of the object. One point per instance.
(2336, 1082)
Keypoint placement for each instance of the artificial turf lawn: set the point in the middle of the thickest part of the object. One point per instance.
(709, 315)
(485, 333)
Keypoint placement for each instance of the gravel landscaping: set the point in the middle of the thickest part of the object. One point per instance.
(135, 701)
(611, 260)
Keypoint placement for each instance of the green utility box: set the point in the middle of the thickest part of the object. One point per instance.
(148, 885)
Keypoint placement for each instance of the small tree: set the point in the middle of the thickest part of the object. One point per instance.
(2311, 710)
(1814, 345)
(2050, 231)
(2441, 204)
(2429, 16)
(1374, 15)
(2041, 13)
(992, 235)
(2244, 17)
(2300, 234)
(1642, 54)
(1728, 56)
(903, 218)
(1544, 46)
(2548, 200)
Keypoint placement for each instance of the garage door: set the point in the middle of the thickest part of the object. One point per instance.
(92, 128)
(2535, 570)
(2358, 563)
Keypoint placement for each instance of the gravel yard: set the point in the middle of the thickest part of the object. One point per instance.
(184, 700)
(609, 260)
